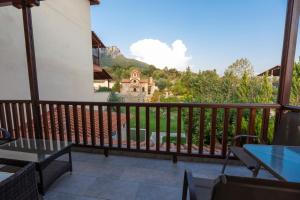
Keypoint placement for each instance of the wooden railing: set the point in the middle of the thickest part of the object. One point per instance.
(191, 129)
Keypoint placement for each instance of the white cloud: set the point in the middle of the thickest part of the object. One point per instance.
(161, 54)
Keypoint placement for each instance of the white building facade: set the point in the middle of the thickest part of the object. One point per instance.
(63, 46)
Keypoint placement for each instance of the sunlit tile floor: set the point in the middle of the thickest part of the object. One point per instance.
(96, 177)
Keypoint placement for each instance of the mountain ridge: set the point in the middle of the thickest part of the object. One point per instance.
(112, 56)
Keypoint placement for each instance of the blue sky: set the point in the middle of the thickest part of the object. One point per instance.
(206, 34)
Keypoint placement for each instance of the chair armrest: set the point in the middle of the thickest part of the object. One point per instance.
(238, 137)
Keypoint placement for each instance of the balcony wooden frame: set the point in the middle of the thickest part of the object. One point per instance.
(288, 53)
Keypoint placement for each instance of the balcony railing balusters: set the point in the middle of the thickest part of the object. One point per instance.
(109, 125)
(168, 129)
(8, 117)
(22, 119)
(238, 127)
(128, 127)
(29, 120)
(189, 132)
(62, 121)
(265, 124)
(157, 117)
(92, 125)
(83, 124)
(225, 131)
(147, 128)
(213, 131)
(201, 130)
(137, 132)
(16, 120)
(68, 122)
(178, 143)
(2, 116)
(251, 125)
(101, 126)
(76, 124)
(119, 131)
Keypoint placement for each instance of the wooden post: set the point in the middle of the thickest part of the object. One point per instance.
(31, 65)
(288, 51)
(288, 56)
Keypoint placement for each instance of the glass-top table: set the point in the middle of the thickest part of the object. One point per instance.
(32, 150)
(43, 153)
(282, 161)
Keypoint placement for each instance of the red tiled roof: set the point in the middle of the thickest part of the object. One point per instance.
(125, 81)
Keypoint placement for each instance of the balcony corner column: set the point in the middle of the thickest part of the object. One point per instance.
(31, 66)
(288, 51)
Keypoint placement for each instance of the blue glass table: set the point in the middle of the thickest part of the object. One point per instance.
(283, 162)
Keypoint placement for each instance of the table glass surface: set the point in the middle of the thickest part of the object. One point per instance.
(5, 175)
(284, 161)
(33, 150)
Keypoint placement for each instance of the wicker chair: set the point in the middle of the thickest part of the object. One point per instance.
(21, 185)
(237, 188)
(288, 134)
(5, 136)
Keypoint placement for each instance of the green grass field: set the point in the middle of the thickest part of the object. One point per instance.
(152, 117)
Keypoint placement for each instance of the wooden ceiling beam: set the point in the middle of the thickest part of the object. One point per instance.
(20, 3)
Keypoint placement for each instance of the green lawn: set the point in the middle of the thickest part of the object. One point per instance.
(163, 119)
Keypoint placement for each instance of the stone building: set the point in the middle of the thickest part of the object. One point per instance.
(136, 89)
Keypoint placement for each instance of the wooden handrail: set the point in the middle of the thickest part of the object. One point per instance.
(190, 129)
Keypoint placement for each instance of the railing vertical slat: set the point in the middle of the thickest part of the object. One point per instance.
(157, 128)
(225, 131)
(2, 116)
(128, 126)
(8, 118)
(92, 125)
(83, 123)
(238, 128)
(251, 125)
(22, 120)
(119, 131)
(109, 121)
(178, 129)
(45, 121)
(16, 120)
(201, 130)
(137, 116)
(29, 120)
(213, 131)
(147, 129)
(60, 123)
(265, 124)
(168, 128)
(101, 128)
(189, 133)
(52, 121)
(76, 124)
(68, 123)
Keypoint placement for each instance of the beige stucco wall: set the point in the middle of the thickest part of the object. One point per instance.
(62, 32)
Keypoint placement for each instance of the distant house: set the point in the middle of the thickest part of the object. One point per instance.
(137, 89)
(63, 49)
(101, 77)
(274, 71)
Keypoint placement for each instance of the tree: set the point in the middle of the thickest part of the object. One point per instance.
(114, 97)
(240, 67)
(295, 90)
(156, 96)
(117, 87)
(161, 84)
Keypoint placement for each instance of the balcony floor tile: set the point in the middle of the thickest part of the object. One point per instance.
(96, 177)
